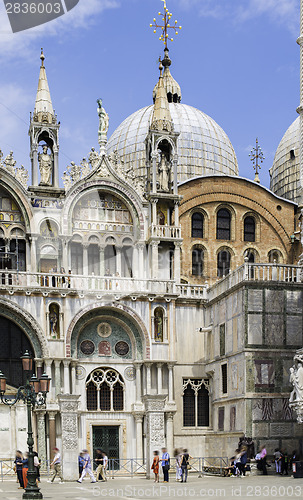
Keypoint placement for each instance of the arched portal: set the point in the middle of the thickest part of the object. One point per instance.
(108, 331)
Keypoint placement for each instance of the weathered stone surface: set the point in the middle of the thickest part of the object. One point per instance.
(280, 430)
(274, 300)
(255, 328)
(274, 329)
(255, 300)
(294, 330)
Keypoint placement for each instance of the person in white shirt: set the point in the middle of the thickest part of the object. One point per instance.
(105, 463)
(56, 463)
(87, 468)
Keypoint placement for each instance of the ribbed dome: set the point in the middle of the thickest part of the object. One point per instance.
(285, 172)
(203, 147)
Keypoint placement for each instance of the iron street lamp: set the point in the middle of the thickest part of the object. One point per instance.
(33, 393)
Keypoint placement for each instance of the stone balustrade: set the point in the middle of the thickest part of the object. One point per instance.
(164, 232)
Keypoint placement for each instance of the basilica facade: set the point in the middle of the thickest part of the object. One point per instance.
(160, 291)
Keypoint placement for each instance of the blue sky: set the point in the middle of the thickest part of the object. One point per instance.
(236, 60)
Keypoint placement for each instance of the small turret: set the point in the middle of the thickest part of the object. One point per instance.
(44, 136)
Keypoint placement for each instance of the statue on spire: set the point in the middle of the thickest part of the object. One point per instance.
(103, 126)
(45, 166)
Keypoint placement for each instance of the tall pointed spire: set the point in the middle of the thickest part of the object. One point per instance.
(172, 88)
(161, 119)
(43, 106)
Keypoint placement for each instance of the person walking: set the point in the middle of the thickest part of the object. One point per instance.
(25, 469)
(243, 460)
(56, 463)
(37, 465)
(284, 463)
(81, 463)
(155, 466)
(263, 455)
(184, 465)
(105, 464)
(278, 460)
(177, 455)
(99, 462)
(87, 468)
(18, 464)
(165, 464)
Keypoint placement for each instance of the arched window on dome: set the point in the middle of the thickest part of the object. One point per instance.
(197, 221)
(223, 224)
(105, 390)
(197, 256)
(223, 263)
(249, 229)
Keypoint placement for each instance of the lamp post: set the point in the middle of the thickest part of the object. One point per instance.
(33, 393)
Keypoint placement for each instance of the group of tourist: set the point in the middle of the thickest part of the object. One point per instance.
(239, 466)
(182, 465)
(85, 465)
(21, 468)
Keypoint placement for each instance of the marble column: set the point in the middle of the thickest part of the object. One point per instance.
(102, 268)
(73, 377)
(57, 377)
(52, 432)
(177, 262)
(154, 158)
(34, 158)
(33, 254)
(154, 212)
(56, 167)
(119, 260)
(170, 382)
(139, 436)
(66, 364)
(48, 371)
(140, 263)
(154, 259)
(68, 404)
(42, 438)
(13, 428)
(155, 425)
(138, 382)
(85, 259)
(170, 432)
(148, 377)
(159, 377)
(175, 172)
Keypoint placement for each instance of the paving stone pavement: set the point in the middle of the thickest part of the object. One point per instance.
(254, 487)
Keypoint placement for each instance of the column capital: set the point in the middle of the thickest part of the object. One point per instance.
(159, 365)
(40, 413)
(52, 414)
(39, 362)
(171, 364)
(57, 362)
(137, 364)
(170, 415)
(154, 201)
(66, 362)
(48, 362)
(139, 417)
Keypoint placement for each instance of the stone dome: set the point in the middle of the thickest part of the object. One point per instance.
(203, 146)
(285, 172)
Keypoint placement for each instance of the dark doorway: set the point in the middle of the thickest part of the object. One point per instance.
(107, 439)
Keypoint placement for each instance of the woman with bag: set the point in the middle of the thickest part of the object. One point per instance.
(18, 468)
(184, 465)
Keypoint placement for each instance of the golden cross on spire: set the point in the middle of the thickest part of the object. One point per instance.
(256, 155)
(165, 27)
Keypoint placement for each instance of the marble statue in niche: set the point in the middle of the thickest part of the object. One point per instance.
(54, 321)
(158, 325)
(45, 166)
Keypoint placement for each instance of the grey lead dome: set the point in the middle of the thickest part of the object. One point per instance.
(203, 146)
(285, 172)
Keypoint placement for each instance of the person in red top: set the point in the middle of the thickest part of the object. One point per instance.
(155, 466)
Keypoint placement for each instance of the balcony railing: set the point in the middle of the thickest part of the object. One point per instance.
(164, 232)
(256, 272)
(71, 283)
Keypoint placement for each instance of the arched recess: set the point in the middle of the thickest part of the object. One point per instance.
(112, 188)
(15, 192)
(118, 311)
(28, 324)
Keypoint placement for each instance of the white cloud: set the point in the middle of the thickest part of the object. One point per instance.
(282, 12)
(82, 16)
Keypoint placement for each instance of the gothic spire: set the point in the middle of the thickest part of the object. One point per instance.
(44, 111)
(161, 119)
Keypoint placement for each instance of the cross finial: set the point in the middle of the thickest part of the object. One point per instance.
(165, 27)
(256, 155)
